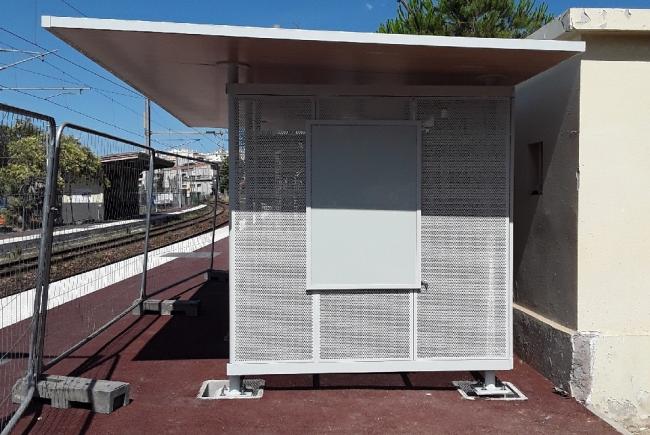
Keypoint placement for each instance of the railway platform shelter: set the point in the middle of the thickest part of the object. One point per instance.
(370, 191)
(124, 172)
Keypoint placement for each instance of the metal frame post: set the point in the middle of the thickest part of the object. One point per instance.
(234, 385)
(179, 183)
(490, 387)
(489, 380)
(37, 336)
(215, 187)
(47, 233)
(150, 197)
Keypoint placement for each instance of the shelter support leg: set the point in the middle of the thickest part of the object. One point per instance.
(490, 387)
(489, 379)
(234, 385)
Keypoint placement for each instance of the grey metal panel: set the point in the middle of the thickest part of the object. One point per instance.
(362, 223)
(465, 228)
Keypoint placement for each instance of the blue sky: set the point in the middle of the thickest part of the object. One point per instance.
(122, 109)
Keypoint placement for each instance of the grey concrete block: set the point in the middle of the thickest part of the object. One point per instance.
(172, 306)
(148, 305)
(104, 396)
(168, 307)
(582, 369)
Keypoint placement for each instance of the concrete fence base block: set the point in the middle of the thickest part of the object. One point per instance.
(168, 307)
(146, 306)
(64, 391)
(173, 306)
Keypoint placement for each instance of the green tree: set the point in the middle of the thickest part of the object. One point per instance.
(22, 178)
(479, 18)
(77, 164)
(23, 170)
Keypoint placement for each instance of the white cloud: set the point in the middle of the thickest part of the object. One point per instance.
(369, 6)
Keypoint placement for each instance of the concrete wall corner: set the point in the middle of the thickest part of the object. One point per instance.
(582, 366)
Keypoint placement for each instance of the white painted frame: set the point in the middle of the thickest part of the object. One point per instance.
(418, 253)
(371, 91)
(235, 32)
(367, 366)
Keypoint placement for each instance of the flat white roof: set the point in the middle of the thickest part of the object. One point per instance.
(595, 20)
(183, 67)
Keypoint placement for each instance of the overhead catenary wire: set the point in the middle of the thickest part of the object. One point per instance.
(74, 8)
(94, 88)
(33, 57)
(67, 74)
(95, 73)
(4, 29)
(76, 111)
(135, 93)
(79, 81)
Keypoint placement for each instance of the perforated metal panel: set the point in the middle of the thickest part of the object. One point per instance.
(365, 325)
(364, 108)
(273, 314)
(464, 311)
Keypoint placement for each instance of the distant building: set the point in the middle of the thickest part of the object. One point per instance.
(187, 181)
(118, 198)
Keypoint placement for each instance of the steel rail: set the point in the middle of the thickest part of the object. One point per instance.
(23, 264)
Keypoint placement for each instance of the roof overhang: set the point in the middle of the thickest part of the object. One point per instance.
(139, 160)
(184, 67)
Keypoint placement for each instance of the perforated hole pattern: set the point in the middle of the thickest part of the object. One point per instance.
(462, 313)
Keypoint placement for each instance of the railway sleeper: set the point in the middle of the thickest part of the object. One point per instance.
(167, 307)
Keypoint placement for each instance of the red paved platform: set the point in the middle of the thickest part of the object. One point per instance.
(165, 359)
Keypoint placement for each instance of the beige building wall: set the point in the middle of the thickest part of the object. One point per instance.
(614, 198)
(545, 230)
(603, 357)
(614, 221)
(545, 225)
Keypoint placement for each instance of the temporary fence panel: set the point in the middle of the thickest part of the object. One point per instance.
(82, 215)
(458, 318)
(180, 245)
(98, 245)
(26, 147)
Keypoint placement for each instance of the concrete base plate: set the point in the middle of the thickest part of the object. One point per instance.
(218, 390)
(467, 390)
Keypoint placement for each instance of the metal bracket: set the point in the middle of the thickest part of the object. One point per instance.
(490, 388)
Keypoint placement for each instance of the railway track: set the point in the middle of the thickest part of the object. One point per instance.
(22, 265)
